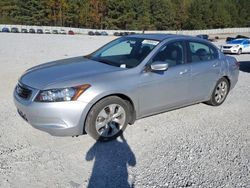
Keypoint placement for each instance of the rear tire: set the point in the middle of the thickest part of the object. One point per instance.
(107, 119)
(220, 92)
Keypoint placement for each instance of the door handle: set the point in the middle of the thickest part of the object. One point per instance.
(184, 72)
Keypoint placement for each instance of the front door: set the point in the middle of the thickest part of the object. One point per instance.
(163, 90)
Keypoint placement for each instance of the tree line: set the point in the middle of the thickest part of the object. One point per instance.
(128, 14)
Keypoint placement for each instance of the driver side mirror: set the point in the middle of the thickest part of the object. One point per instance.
(159, 66)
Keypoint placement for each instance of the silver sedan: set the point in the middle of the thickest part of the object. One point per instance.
(129, 78)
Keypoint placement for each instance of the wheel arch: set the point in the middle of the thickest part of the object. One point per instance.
(228, 79)
(124, 97)
(221, 76)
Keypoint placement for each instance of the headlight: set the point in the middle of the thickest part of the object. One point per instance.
(237, 46)
(59, 95)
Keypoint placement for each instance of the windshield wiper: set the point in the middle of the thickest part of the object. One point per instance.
(105, 62)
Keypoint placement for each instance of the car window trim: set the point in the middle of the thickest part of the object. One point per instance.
(204, 43)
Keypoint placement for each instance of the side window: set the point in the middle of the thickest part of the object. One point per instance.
(201, 52)
(123, 48)
(172, 53)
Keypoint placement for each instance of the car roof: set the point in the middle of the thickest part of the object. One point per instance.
(161, 37)
(241, 39)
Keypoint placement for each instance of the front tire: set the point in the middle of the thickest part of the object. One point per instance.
(239, 51)
(107, 119)
(220, 92)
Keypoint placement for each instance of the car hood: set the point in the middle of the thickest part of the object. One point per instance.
(233, 42)
(67, 71)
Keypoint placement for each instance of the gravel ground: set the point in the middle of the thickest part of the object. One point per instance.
(196, 146)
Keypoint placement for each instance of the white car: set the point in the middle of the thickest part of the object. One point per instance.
(47, 31)
(236, 46)
(62, 31)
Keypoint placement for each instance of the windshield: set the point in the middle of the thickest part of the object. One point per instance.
(126, 52)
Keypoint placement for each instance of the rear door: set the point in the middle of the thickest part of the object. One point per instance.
(205, 70)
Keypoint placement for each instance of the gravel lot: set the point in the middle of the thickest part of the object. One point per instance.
(196, 146)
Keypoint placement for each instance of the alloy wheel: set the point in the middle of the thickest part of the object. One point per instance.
(221, 92)
(110, 120)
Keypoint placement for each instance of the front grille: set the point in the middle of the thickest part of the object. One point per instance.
(227, 47)
(227, 51)
(23, 92)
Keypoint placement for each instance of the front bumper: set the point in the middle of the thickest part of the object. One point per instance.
(55, 118)
(230, 50)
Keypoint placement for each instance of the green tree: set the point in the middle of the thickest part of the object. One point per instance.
(142, 17)
(120, 14)
(7, 11)
(128, 14)
(243, 13)
(181, 8)
(221, 17)
(162, 14)
(200, 15)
